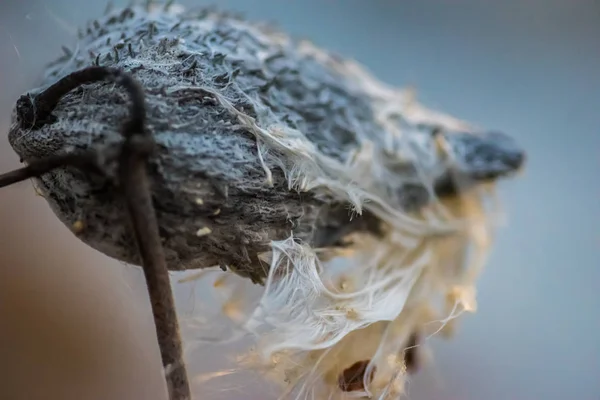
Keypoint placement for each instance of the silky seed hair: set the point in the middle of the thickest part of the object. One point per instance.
(342, 216)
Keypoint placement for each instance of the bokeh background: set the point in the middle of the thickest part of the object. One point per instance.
(76, 325)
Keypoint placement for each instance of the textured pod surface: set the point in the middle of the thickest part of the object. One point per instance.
(213, 204)
(361, 210)
(212, 82)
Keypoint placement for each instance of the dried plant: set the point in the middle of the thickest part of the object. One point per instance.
(354, 206)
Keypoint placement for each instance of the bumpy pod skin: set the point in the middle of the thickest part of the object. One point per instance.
(206, 174)
(220, 198)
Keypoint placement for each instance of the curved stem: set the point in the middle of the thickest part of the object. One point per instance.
(33, 112)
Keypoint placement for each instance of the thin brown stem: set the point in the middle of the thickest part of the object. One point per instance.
(85, 161)
(35, 111)
(139, 204)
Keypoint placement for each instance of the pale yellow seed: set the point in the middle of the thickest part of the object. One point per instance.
(217, 211)
(204, 231)
(199, 201)
(77, 226)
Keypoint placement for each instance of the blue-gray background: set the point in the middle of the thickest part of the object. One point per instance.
(528, 67)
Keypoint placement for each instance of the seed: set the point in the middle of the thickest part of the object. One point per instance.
(411, 354)
(352, 379)
(203, 231)
(77, 227)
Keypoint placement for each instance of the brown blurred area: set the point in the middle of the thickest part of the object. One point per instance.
(73, 323)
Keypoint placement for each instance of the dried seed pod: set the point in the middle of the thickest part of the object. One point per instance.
(258, 126)
(269, 151)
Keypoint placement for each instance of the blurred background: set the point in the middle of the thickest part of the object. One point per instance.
(77, 325)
